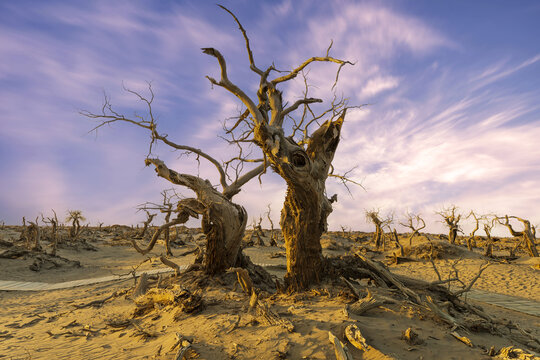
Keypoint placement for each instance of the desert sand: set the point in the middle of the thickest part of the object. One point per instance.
(213, 315)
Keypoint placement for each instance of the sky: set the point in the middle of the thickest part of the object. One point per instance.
(452, 92)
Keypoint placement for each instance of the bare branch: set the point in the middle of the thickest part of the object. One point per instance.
(227, 84)
(298, 103)
(109, 116)
(248, 48)
(471, 283)
(295, 71)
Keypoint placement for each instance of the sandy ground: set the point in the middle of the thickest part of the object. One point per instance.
(51, 324)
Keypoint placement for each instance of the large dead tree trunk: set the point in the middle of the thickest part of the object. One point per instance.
(306, 207)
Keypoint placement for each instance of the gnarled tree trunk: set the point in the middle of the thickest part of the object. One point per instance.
(223, 221)
(306, 207)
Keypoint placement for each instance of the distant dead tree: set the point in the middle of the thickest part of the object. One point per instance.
(528, 235)
(257, 232)
(302, 158)
(345, 232)
(452, 220)
(167, 208)
(415, 223)
(394, 236)
(380, 223)
(34, 236)
(273, 235)
(24, 232)
(75, 217)
(146, 223)
(488, 224)
(471, 243)
(53, 222)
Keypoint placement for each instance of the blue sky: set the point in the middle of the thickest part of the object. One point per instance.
(453, 88)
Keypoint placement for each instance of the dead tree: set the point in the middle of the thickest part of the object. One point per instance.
(471, 243)
(302, 158)
(380, 223)
(395, 238)
(223, 221)
(488, 225)
(452, 219)
(146, 223)
(415, 223)
(53, 221)
(24, 232)
(75, 217)
(167, 208)
(34, 236)
(257, 232)
(528, 235)
(273, 235)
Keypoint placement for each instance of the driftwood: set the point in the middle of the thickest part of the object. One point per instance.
(182, 351)
(364, 304)
(411, 337)
(341, 350)
(244, 280)
(269, 317)
(355, 337)
(170, 264)
(388, 277)
(512, 353)
(262, 309)
(142, 286)
(100, 302)
(463, 339)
